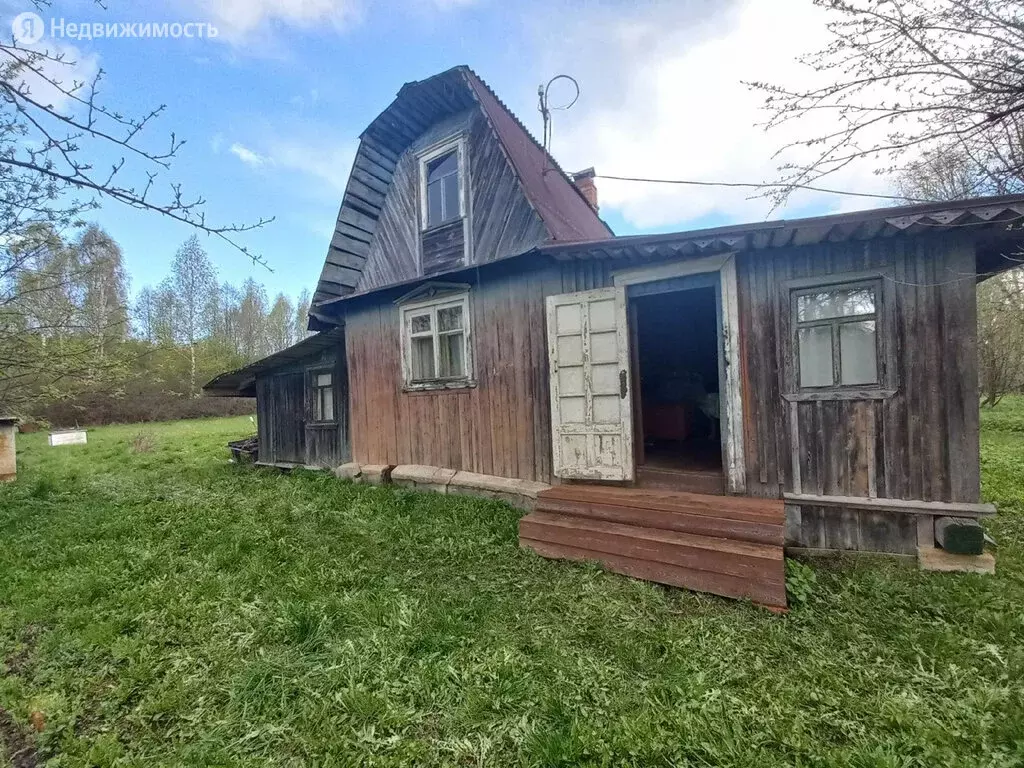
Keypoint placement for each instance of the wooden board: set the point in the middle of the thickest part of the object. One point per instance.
(724, 545)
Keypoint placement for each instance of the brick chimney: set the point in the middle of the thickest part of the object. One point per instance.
(584, 181)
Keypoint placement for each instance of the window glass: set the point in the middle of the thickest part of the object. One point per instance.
(420, 324)
(442, 166)
(443, 189)
(452, 362)
(435, 203)
(422, 359)
(825, 305)
(451, 197)
(323, 397)
(815, 356)
(858, 353)
(326, 404)
(450, 319)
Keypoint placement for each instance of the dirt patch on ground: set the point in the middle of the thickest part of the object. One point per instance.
(20, 748)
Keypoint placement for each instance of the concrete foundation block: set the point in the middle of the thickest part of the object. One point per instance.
(939, 560)
(350, 471)
(422, 478)
(373, 474)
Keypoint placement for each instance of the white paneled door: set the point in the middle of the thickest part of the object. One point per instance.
(591, 406)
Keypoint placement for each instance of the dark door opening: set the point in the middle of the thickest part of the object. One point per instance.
(678, 360)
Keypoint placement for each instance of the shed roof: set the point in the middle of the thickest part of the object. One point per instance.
(242, 383)
(974, 214)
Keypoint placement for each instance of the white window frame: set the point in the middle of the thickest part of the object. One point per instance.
(458, 145)
(834, 324)
(316, 393)
(433, 306)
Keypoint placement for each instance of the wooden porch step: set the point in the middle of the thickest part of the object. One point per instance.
(725, 545)
(729, 568)
(752, 520)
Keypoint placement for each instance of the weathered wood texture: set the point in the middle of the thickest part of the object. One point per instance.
(444, 248)
(727, 546)
(920, 443)
(503, 223)
(284, 412)
(499, 427)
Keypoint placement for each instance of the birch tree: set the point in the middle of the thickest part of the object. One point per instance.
(195, 285)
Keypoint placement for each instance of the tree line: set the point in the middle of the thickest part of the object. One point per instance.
(75, 348)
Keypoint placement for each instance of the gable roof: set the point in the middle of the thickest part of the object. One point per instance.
(561, 206)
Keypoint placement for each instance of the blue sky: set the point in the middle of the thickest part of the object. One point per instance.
(272, 109)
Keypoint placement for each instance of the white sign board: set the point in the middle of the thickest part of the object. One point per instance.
(68, 437)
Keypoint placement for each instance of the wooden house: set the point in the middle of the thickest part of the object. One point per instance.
(678, 406)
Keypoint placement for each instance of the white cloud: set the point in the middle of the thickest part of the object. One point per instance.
(239, 20)
(243, 21)
(323, 163)
(61, 65)
(248, 156)
(326, 163)
(663, 97)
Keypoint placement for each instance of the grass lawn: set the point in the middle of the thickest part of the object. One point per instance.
(165, 607)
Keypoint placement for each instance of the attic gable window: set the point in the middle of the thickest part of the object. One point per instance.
(436, 342)
(441, 184)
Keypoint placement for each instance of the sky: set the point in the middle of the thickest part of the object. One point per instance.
(271, 109)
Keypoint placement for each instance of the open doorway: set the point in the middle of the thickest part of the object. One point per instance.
(678, 358)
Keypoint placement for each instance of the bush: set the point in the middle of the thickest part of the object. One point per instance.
(99, 409)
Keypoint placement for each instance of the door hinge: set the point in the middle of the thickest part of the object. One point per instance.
(623, 385)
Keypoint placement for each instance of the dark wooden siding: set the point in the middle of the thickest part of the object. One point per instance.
(499, 427)
(284, 410)
(444, 248)
(280, 408)
(503, 223)
(921, 443)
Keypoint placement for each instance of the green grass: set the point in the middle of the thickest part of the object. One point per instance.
(169, 608)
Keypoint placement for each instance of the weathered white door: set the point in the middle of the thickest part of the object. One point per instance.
(591, 407)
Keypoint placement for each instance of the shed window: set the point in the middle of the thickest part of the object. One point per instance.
(323, 397)
(837, 335)
(436, 342)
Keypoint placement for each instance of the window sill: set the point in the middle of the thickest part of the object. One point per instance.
(439, 386)
(442, 225)
(839, 395)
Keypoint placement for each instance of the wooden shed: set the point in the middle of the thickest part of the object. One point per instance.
(694, 400)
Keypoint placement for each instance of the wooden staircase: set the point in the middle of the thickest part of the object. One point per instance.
(726, 545)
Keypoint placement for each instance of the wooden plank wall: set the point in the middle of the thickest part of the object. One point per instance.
(444, 248)
(499, 427)
(283, 412)
(921, 443)
(503, 223)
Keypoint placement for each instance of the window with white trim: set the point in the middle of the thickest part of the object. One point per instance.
(441, 184)
(435, 342)
(836, 335)
(323, 396)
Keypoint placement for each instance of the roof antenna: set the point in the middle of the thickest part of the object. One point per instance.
(546, 109)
